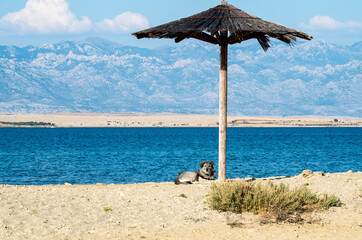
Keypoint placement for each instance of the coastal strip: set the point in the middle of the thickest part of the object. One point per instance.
(169, 120)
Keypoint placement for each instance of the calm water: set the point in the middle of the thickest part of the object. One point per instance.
(131, 155)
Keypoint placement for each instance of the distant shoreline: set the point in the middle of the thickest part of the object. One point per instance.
(162, 120)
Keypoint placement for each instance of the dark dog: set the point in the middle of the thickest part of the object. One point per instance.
(206, 171)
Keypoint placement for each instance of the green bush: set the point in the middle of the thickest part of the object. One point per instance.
(28, 123)
(107, 209)
(277, 201)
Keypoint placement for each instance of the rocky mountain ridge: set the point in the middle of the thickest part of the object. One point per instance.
(97, 75)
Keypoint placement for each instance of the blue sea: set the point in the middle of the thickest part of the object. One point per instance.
(39, 156)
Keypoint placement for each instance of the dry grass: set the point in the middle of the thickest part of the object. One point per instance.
(269, 201)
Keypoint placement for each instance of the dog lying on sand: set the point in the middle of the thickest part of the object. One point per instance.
(206, 171)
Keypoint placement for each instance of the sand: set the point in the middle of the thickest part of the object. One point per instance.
(156, 211)
(175, 120)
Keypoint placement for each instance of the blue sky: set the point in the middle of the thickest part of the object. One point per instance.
(35, 22)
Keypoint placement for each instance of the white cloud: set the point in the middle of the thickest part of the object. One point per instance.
(44, 16)
(326, 22)
(55, 16)
(124, 22)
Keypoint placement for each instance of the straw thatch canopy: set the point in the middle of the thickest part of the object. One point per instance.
(208, 25)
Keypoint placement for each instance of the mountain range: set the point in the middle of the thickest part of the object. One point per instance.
(97, 75)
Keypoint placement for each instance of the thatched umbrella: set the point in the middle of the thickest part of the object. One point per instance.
(223, 25)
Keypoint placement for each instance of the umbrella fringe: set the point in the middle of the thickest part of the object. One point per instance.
(264, 42)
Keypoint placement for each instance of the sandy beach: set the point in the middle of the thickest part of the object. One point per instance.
(174, 120)
(156, 211)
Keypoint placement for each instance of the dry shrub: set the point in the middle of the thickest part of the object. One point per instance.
(270, 200)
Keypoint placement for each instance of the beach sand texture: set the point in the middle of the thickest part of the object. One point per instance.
(175, 120)
(156, 211)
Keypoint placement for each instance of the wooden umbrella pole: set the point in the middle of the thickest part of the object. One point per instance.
(223, 110)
